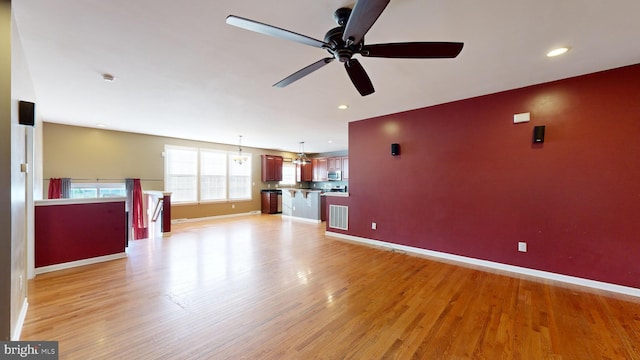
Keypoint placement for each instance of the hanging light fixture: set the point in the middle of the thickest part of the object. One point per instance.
(302, 157)
(240, 159)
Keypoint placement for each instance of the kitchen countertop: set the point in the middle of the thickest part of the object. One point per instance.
(301, 189)
(335, 194)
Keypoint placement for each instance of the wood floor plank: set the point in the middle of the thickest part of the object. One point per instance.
(264, 287)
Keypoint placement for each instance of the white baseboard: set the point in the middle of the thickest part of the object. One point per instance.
(15, 336)
(185, 220)
(626, 290)
(67, 265)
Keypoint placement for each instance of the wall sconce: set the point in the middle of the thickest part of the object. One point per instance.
(395, 149)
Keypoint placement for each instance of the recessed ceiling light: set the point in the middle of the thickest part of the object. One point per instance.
(557, 51)
(101, 125)
(108, 77)
(343, 107)
(330, 141)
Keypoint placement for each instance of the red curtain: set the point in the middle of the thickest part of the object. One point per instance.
(140, 230)
(55, 188)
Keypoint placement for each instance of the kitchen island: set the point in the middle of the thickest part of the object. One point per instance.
(302, 204)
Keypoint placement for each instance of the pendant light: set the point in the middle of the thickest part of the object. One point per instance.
(240, 159)
(302, 157)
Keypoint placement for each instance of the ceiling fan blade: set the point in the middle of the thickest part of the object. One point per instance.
(359, 77)
(363, 15)
(274, 31)
(303, 72)
(413, 50)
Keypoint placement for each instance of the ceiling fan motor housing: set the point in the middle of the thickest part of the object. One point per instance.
(341, 16)
(339, 49)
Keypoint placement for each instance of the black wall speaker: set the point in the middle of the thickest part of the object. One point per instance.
(538, 134)
(395, 149)
(26, 113)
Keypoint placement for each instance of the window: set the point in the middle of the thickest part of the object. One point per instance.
(181, 173)
(96, 190)
(288, 172)
(204, 175)
(213, 175)
(239, 179)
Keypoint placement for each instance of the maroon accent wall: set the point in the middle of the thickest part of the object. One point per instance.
(470, 182)
(65, 233)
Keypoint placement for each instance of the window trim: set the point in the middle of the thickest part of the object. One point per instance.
(97, 186)
(228, 159)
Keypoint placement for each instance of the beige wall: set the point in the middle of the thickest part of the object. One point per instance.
(5, 176)
(86, 153)
(13, 182)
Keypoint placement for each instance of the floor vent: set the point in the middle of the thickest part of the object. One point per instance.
(339, 217)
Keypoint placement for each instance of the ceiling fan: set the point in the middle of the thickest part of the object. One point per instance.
(347, 40)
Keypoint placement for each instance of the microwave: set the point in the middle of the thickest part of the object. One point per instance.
(334, 175)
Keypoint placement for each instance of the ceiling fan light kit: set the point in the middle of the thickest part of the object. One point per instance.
(347, 40)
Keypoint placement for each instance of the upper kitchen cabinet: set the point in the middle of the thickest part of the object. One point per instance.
(319, 169)
(334, 164)
(345, 168)
(304, 172)
(271, 168)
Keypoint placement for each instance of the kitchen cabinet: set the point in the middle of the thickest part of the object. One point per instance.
(271, 168)
(304, 172)
(345, 168)
(334, 163)
(270, 201)
(319, 166)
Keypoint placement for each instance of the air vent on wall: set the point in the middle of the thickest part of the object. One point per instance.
(339, 217)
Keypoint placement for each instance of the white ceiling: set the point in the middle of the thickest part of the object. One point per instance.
(181, 71)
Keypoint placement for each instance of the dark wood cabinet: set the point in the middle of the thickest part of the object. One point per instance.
(345, 168)
(334, 163)
(269, 202)
(271, 168)
(321, 166)
(319, 169)
(304, 172)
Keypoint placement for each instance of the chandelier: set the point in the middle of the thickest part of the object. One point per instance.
(302, 157)
(240, 159)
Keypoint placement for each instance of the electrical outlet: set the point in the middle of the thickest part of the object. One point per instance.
(522, 246)
(374, 226)
(233, 206)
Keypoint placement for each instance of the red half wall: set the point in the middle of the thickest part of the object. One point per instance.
(69, 231)
(468, 181)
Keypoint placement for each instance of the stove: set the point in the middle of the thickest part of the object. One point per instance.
(339, 188)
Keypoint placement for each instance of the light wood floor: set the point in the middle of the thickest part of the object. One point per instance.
(262, 287)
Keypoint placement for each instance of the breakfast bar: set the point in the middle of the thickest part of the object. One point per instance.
(302, 204)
